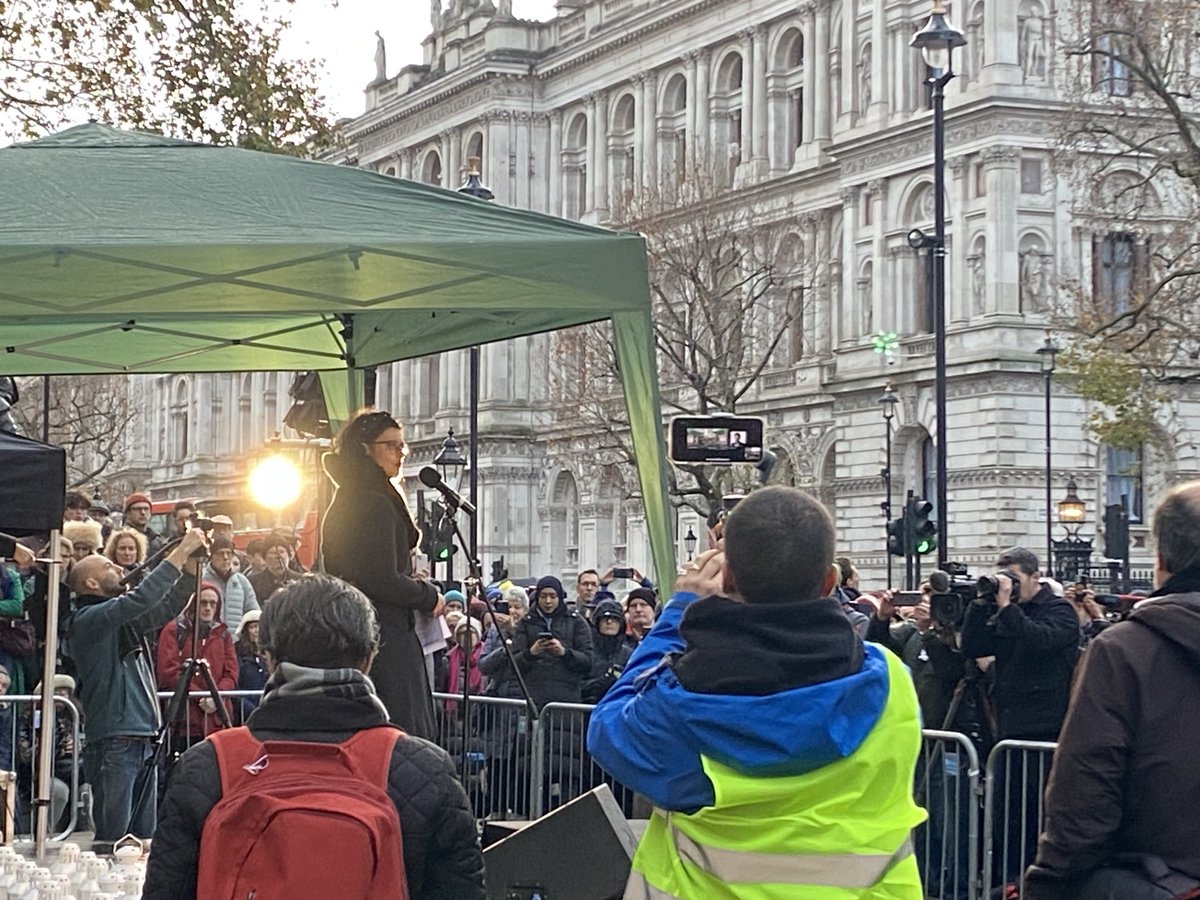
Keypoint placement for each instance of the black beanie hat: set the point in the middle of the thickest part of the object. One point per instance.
(549, 581)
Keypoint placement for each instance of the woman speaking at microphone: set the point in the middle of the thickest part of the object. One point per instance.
(367, 539)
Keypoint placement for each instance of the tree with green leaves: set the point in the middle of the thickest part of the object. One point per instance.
(1132, 152)
(207, 70)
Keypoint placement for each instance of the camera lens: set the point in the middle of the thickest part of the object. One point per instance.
(987, 585)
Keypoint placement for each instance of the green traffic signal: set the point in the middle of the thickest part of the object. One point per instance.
(923, 531)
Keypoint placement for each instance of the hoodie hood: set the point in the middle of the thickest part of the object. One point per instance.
(1177, 618)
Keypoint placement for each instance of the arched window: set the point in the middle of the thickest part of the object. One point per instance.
(181, 409)
(245, 419)
(566, 501)
(622, 142)
(786, 92)
(574, 166)
(674, 120)
(431, 168)
(728, 114)
(1123, 480)
(475, 149)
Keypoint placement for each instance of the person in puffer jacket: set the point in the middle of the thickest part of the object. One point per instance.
(611, 650)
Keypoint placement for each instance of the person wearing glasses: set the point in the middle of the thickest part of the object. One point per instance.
(367, 539)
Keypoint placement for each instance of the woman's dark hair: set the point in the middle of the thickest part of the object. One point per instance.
(320, 622)
(364, 426)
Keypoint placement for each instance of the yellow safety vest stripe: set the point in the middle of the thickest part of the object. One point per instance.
(739, 847)
(853, 871)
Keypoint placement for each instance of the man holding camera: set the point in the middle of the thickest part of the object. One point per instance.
(1034, 637)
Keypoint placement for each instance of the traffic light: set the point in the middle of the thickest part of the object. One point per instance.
(895, 531)
(441, 533)
(922, 531)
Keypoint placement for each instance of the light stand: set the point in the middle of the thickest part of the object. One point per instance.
(937, 42)
(689, 543)
(1046, 354)
(888, 401)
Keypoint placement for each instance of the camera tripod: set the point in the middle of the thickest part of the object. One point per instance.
(176, 712)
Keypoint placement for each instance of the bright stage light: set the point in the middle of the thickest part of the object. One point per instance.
(275, 483)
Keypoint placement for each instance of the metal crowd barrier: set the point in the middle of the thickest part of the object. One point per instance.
(21, 733)
(1013, 811)
(518, 768)
(948, 787)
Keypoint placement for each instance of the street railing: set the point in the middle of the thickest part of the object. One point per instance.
(20, 733)
(1013, 809)
(981, 831)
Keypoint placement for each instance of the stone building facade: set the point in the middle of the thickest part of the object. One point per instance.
(815, 113)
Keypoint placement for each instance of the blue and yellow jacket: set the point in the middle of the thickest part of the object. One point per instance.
(801, 792)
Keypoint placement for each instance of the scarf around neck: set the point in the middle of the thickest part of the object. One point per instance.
(291, 680)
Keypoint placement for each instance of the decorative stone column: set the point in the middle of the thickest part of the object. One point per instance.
(1002, 166)
(554, 172)
(649, 137)
(600, 157)
(701, 139)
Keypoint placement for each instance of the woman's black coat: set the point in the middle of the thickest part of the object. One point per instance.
(550, 678)
(367, 539)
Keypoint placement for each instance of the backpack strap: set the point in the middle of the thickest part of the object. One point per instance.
(237, 752)
(370, 753)
(240, 755)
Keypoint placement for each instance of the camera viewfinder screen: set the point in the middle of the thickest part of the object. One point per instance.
(717, 439)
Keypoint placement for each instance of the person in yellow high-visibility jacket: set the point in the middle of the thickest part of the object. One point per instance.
(778, 749)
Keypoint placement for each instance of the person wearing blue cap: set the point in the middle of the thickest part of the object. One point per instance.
(455, 599)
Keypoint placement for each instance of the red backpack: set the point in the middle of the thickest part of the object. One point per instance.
(299, 820)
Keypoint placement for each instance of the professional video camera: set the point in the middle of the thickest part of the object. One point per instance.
(953, 592)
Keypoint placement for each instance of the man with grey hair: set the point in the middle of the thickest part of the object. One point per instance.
(319, 636)
(1125, 786)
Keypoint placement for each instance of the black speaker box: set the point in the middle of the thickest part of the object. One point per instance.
(581, 851)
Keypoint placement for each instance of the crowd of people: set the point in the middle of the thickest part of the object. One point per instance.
(997, 663)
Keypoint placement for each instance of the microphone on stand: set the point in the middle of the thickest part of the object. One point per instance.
(432, 478)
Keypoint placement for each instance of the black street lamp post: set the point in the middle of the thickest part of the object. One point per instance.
(937, 42)
(474, 187)
(689, 542)
(1074, 553)
(888, 401)
(1046, 354)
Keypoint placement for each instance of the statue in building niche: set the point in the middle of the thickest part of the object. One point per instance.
(978, 263)
(1033, 43)
(864, 79)
(1033, 280)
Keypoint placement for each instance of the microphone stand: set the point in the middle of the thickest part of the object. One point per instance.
(474, 584)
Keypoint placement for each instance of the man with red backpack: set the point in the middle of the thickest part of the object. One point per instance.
(318, 796)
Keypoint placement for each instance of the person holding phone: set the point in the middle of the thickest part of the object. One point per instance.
(553, 646)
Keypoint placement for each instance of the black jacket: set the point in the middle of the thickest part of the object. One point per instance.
(550, 678)
(1126, 777)
(936, 665)
(367, 539)
(1036, 644)
(442, 858)
(610, 654)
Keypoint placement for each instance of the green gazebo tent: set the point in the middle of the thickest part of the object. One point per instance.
(124, 252)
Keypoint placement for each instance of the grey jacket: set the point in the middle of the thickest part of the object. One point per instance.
(237, 597)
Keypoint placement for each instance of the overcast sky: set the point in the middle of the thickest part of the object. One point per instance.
(342, 32)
